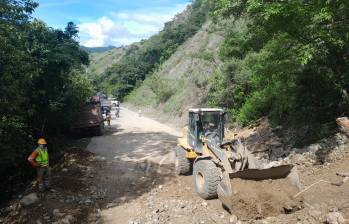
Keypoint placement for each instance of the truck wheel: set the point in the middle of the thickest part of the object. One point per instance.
(206, 179)
(182, 163)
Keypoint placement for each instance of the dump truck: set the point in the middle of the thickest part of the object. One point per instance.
(213, 162)
(89, 120)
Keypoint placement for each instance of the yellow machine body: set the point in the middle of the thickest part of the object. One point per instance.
(219, 161)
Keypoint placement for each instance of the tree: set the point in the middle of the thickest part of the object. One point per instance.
(16, 12)
(71, 30)
(40, 82)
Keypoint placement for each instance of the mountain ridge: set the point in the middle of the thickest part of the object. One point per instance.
(97, 49)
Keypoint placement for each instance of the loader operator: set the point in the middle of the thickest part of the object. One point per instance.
(40, 160)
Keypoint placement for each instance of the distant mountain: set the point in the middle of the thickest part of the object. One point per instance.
(100, 61)
(97, 49)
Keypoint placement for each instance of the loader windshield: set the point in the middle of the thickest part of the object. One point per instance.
(211, 123)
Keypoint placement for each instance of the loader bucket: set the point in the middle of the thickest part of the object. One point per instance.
(225, 190)
(262, 174)
(277, 172)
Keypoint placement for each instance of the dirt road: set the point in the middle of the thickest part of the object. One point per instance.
(134, 138)
(138, 177)
(125, 176)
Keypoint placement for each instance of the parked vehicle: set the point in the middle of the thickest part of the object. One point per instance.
(90, 120)
(114, 102)
(106, 103)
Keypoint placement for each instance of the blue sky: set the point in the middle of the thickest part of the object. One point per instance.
(110, 22)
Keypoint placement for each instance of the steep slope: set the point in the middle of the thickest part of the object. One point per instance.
(142, 59)
(100, 61)
(182, 81)
(169, 72)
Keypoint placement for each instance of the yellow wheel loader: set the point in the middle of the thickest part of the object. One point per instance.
(212, 162)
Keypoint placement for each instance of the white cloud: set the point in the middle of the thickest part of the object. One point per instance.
(126, 27)
(143, 17)
(102, 32)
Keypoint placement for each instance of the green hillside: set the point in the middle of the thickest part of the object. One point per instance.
(142, 59)
(100, 61)
(287, 61)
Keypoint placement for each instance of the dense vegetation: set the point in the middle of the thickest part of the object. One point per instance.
(142, 59)
(285, 59)
(40, 81)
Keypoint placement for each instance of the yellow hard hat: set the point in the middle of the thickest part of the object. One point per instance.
(42, 141)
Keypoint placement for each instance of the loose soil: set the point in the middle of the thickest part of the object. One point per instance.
(261, 199)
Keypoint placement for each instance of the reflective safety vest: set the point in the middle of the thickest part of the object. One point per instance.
(42, 158)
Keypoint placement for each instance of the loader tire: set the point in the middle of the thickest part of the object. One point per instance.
(182, 163)
(206, 179)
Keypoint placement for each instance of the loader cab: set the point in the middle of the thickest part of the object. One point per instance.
(202, 122)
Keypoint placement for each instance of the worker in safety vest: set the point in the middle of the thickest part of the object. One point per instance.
(40, 160)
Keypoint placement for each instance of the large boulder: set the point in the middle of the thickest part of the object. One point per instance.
(29, 199)
(68, 219)
(335, 218)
